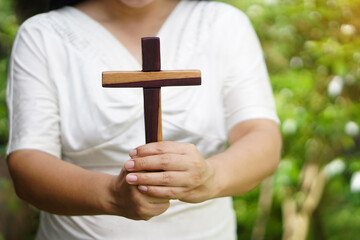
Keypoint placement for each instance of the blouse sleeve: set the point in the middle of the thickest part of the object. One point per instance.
(31, 95)
(247, 89)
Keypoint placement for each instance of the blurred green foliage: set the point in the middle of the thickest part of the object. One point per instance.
(312, 49)
(8, 28)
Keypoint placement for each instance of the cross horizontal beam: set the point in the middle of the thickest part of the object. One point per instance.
(151, 79)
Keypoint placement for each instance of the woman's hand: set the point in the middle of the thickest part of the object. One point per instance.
(171, 170)
(129, 202)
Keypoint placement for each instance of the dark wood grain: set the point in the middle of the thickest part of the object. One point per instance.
(152, 105)
(150, 54)
(152, 114)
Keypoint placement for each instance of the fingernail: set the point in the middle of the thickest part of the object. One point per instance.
(129, 165)
(142, 188)
(133, 153)
(131, 178)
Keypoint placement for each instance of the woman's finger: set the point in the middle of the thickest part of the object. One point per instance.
(195, 195)
(163, 191)
(166, 162)
(166, 178)
(158, 148)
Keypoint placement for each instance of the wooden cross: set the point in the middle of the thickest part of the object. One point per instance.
(151, 78)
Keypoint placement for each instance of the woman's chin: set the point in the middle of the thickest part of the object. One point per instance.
(136, 3)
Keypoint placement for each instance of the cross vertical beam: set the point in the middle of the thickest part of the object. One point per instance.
(151, 62)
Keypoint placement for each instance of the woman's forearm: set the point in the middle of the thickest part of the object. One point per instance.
(254, 154)
(59, 187)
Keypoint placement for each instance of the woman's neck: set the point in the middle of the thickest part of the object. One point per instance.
(118, 11)
(128, 24)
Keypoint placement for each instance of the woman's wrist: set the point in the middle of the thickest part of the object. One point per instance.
(109, 204)
(216, 181)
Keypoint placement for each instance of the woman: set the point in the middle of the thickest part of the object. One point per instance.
(70, 139)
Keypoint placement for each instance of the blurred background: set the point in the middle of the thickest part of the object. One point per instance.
(312, 49)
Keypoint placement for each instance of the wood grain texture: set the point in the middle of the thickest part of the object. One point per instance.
(151, 54)
(151, 79)
(152, 95)
(152, 114)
